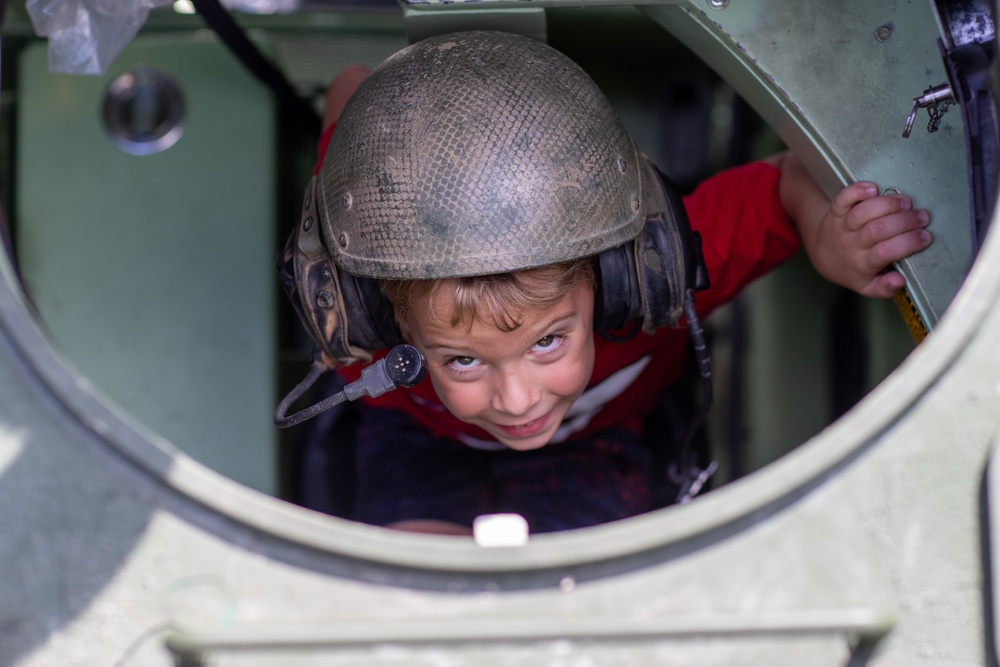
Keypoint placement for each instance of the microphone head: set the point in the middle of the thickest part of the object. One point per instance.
(405, 366)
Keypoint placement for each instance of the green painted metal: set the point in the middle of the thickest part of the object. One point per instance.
(862, 546)
(146, 269)
(791, 62)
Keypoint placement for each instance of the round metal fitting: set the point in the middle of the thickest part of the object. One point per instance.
(883, 32)
(144, 111)
(307, 223)
(324, 300)
(718, 4)
(342, 240)
(348, 201)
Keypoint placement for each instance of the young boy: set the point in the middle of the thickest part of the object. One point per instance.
(485, 247)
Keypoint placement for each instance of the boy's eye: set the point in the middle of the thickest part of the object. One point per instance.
(548, 343)
(463, 363)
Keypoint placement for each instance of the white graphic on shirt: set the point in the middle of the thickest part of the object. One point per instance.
(583, 409)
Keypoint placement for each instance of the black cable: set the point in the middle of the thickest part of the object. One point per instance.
(704, 370)
(403, 366)
(225, 26)
(685, 473)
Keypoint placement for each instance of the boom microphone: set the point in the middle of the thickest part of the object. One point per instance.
(404, 366)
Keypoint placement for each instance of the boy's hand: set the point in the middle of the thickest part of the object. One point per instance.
(861, 234)
(853, 240)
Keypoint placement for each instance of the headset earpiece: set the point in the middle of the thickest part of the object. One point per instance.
(370, 319)
(347, 315)
(646, 280)
(616, 299)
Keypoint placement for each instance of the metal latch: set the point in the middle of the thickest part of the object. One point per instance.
(936, 100)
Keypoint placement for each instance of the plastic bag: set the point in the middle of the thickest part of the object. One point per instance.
(85, 36)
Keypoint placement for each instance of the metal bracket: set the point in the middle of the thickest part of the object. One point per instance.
(936, 100)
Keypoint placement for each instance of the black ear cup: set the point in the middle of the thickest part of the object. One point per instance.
(348, 316)
(645, 281)
(616, 300)
(371, 321)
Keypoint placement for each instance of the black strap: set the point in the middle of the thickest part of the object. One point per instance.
(221, 21)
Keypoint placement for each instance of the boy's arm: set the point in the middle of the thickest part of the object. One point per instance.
(340, 90)
(854, 239)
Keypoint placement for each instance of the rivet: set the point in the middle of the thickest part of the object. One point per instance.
(307, 204)
(718, 4)
(348, 201)
(622, 165)
(883, 32)
(892, 191)
(342, 240)
(324, 300)
(307, 223)
(635, 204)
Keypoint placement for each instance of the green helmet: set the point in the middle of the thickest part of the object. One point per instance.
(474, 153)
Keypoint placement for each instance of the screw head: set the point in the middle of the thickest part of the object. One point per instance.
(324, 300)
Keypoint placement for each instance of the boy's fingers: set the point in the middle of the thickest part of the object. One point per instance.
(849, 197)
(877, 207)
(896, 248)
(886, 227)
(884, 285)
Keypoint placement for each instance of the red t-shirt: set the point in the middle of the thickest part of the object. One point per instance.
(745, 233)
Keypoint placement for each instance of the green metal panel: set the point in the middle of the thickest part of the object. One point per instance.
(150, 271)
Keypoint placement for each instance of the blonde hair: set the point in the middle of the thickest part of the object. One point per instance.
(501, 300)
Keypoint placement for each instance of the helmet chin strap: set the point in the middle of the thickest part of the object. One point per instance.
(404, 366)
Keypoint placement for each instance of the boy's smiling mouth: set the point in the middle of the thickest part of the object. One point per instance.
(527, 429)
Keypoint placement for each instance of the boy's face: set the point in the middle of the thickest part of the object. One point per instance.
(517, 386)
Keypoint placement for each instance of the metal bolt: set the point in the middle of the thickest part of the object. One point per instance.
(324, 300)
(883, 32)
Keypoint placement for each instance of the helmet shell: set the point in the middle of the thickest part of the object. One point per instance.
(476, 153)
